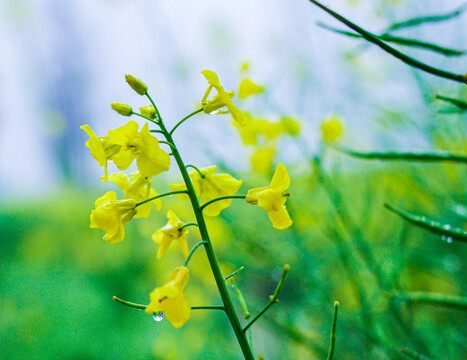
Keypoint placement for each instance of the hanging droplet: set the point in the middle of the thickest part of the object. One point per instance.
(170, 195)
(447, 227)
(448, 239)
(158, 316)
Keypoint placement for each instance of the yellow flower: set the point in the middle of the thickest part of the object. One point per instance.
(150, 158)
(169, 233)
(272, 198)
(209, 187)
(170, 299)
(262, 160)
(290, 126)
(256, 127)
(221, 99)
(332, 128)
(137, 188)
(248, 88)
(110, 214)
(102, 150)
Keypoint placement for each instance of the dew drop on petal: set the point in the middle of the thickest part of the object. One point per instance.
(158, 316)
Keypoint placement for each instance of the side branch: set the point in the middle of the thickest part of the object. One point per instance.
(272, 299)
(222, 198)
(161, 195)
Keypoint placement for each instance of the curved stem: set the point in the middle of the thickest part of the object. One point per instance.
(184, 119)
(146, 118)
(142, 307)
(161, 195)
(234, 273)
(188, 224)
(213, 262)
(193, 251)
(222, 198)
(208, 307)
(156, 131)
(167, 143)
(198, 170)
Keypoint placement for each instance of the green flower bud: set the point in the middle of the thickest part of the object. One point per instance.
(148, 111)
(136, 84)
(122, 109)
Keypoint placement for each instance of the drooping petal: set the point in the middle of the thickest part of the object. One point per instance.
(281, 178)
(152, 159)
(211, 77)
(280, 218)
(95, 145)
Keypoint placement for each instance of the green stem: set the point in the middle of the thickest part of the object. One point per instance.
(193, 251)
(213, 262)
(197, 170)
(457, 102)
(142, 307)
(161, 195)
(187, 224)
(272, 299)
(184, 119)
(156, 131)
(222, 198)
(167, 143)
(146, 118)
(446, 300)
(333, 331)
(234, 273)
(404, 58)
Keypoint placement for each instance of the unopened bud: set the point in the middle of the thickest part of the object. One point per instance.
(122, 109)
(148, 111)
(136, 84)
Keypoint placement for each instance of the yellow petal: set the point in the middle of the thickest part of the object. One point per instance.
(280, 218)
(152, 159)
(95, 145)
(281, 178)
(211, 77)
(177, 310)
(248, 88)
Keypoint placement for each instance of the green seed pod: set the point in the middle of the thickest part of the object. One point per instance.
(136, 84)
(122, 109)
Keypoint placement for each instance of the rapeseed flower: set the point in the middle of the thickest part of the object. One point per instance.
(110, 214)
(332, 128)
(262, 160)
(150, 158)
(210, 186)
(221, 99)
(138, 188)
(248, 88)
(170, 299)
(170, 232)
(272, 198)
(102, 149)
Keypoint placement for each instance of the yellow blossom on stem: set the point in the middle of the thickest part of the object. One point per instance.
(332, 128)
(170, 232)
(248, 88)
(221, 99)
(210, 186)
(170, 299)
(101, 148)
(148, 111)
(110, 214)
(290, 126)
(122, 109)
(138, 188)
(136, 84)
(150, 158)
(272, 198)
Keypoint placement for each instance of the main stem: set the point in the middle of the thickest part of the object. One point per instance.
(228, 306)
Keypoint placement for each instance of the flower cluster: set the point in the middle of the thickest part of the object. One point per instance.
(209, 192)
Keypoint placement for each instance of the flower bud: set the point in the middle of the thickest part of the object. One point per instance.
(122, 109)
(148, 111)
(136, 84)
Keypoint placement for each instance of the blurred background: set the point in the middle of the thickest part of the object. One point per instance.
(63, 64)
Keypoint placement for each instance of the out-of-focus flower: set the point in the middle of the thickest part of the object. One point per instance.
(137, 188)
(332, 128)
(248, 88)
(220, 100)
(148, 111)
(101, 148)
(290, 126)
(170, 232)
(136, 84)
(122, 109)
(211, 186)
(110, 214)
(170, 298)
(272, 198)
(150, 158)
(262, 160)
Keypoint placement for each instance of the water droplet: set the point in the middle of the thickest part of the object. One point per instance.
(285, 207)
(170, 195)
(158, 316)
(447, 227)
(448, 239)
(423, 218)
